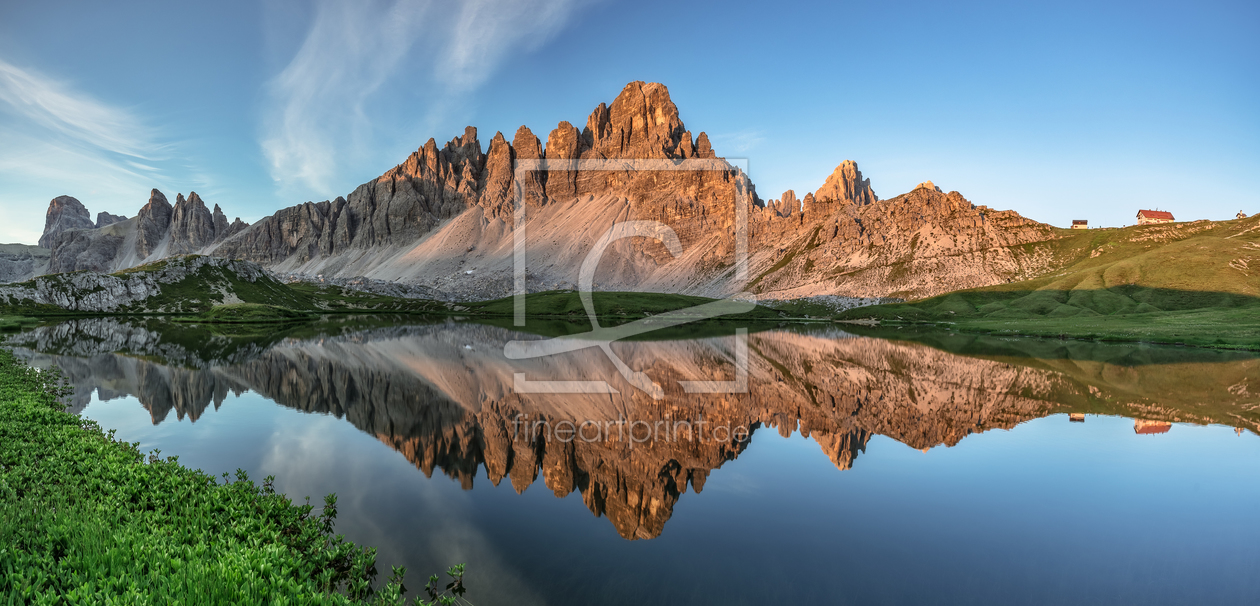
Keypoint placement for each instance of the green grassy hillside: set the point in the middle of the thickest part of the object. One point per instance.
(207, 289)
(1193, 283)
(1157, 382)
(219, 293)
(211, 286)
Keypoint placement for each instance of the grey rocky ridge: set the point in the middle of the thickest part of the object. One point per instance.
(97, 292)
(104, 218)
(19, 262)
(64, 213)
(443, 220)
(158, 230)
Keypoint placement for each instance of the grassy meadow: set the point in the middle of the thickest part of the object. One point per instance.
(1182, 283)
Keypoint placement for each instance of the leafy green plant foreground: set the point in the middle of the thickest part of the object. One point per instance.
(87, 519)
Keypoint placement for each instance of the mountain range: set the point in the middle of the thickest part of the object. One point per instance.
(444, 219)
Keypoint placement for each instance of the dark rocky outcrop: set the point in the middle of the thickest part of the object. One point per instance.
(235, 227)
(20, 262)
(84, 250)
(192, 225)
(135, 291)
(64, 213)
(153, 222)
(115, 242)
(104, 218)
(220, 222)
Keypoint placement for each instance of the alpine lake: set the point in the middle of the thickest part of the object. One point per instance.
(801, 464)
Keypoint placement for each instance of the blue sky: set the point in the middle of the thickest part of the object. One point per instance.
(1058, 110)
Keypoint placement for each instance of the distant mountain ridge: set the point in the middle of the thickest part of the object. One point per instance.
(443, 219)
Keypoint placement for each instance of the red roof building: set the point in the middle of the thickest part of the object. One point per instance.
(1154, 216)
(1141, 427)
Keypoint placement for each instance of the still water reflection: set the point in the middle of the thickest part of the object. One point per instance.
(868, 468)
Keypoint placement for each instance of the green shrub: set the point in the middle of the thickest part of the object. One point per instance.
(87, 519)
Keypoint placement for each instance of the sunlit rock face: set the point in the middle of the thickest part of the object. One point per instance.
(450, 208)
(445, 219)
(845, 186)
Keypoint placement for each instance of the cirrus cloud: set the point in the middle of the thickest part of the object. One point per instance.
(59, 140)
(318, 118)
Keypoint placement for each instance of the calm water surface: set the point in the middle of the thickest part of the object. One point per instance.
(921, 468)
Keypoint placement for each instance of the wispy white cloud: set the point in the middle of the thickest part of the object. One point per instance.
(59, 140)
(356, 51)
(484, 31)
(55, 107)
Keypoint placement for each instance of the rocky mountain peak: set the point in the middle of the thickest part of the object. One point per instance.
(496, 178)
(104, 218)
(846, 185)
(703, 148)
(836, 239)
(152, 223)
(786, 205)
(64, 213)
(220, 221)
(527, 147)
(642, 122)
(928, 185)
(192, 224)
(465, 148)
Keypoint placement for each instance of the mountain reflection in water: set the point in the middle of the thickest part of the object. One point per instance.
(442, 395)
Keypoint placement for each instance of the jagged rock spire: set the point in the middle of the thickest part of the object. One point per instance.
(847, 185)
(192, 224)
(152, 223)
